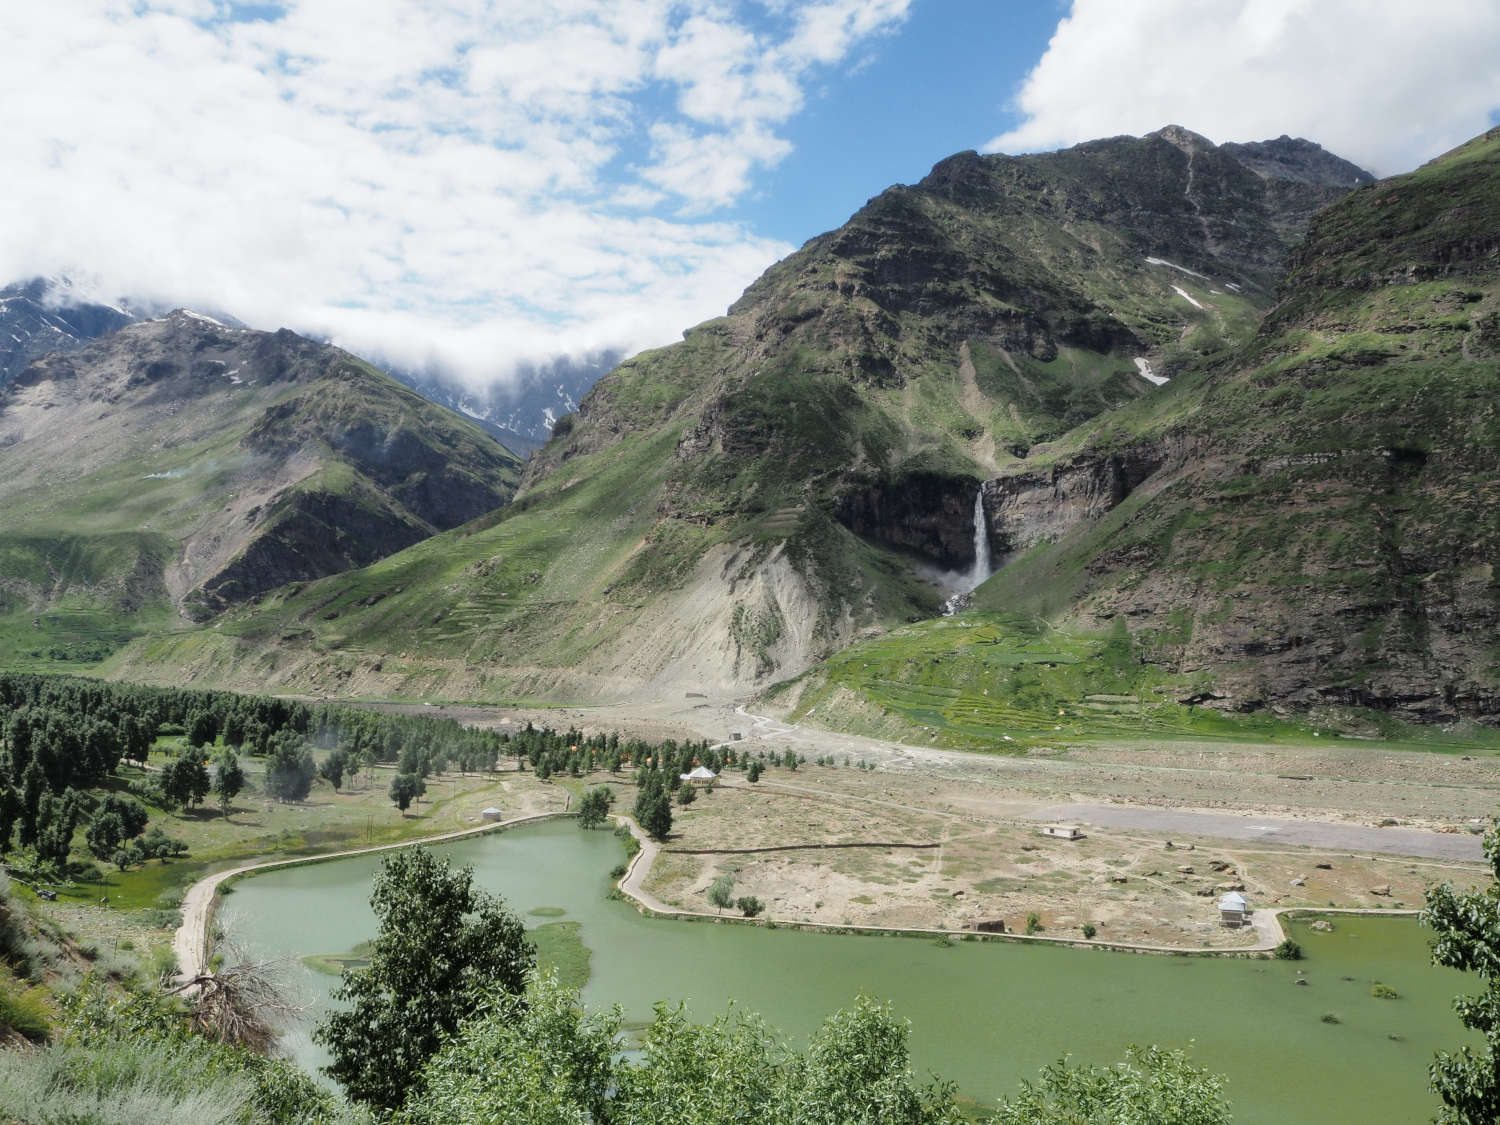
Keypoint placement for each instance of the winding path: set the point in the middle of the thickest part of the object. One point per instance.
(190, 942)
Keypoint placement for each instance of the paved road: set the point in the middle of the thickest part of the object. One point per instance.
(1325, 835)
(1322, 835)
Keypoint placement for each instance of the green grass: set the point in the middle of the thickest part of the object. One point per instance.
(24, 1010)
(336, 964)
(560, 949)
(1002, 683)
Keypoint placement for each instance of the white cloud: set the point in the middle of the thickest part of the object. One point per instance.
(465, 184)
(1385, 83)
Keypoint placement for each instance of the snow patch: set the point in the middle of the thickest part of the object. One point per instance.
(200, 316)
(1186, 296)
(170, 474)
(1143, 365)
(1175, 266)
(1232, 286)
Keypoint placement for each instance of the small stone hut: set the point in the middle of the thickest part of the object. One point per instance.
(1234, 910)
(491, 814)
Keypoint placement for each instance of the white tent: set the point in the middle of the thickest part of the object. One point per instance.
(700, 773)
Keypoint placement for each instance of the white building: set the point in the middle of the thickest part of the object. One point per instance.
(1063, 831)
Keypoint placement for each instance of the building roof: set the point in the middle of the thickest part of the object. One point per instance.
(1233, 901)
(491, 811)
(700, 773)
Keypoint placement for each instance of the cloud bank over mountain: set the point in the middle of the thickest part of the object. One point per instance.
(1384, 83)
(464, 187)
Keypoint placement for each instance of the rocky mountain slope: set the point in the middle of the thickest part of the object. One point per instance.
(519, 411)
(1309, 523)
(730, 508)
(44, 315)
(180, 465)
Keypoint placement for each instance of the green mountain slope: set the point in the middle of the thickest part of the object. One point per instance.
(180, 466)
(1310, 523)
(732, 507)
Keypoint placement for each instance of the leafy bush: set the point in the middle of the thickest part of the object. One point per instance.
(1089, 930)
(1151, 1085)
(1288, 950)
(1384, 992)
(749, 905)
(1329, 1017)
(1034, 923)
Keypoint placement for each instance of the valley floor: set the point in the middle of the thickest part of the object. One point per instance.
(1169, 826)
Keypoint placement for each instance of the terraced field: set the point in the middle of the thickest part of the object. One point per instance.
(1005, 682)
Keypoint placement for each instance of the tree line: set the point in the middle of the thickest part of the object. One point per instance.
(63, 738)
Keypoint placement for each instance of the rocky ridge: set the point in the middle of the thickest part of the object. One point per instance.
(181, 464)
(1312, 520)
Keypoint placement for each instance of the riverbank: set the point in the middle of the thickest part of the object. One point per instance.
(190, 942)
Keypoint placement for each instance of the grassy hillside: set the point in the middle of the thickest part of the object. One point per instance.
(179, 466)
(1309, 523)
(739, 504)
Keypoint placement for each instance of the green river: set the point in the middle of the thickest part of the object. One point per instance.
(982, 1014)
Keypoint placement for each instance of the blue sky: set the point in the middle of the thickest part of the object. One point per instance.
(475, 185)
(944, 83)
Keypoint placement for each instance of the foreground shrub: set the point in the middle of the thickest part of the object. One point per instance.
(132, 1059)
(542, 1060)
(1151, 1087)
(24, 1010)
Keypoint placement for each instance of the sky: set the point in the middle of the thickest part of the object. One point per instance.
(473, 186)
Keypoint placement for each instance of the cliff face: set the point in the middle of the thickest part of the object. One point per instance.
(924, 513)
(1031, 506)
(1322, 519)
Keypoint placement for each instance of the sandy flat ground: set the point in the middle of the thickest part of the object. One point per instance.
(1345, 823)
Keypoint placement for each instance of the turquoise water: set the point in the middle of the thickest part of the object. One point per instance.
(982, 1014)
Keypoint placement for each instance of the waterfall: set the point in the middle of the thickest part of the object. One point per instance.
(982, 569)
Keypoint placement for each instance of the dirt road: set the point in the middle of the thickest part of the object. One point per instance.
(1322, 835)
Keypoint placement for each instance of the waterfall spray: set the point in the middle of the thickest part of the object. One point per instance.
(982, 567)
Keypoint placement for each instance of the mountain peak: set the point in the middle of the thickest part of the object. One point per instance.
(1298, 160)
(1185, 139)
